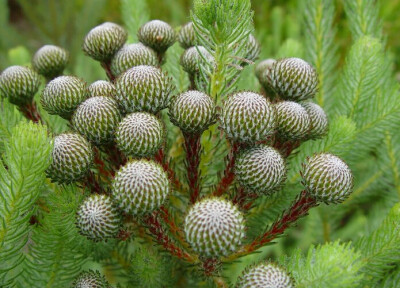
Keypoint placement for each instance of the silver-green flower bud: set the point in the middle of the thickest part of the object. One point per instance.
(318, 120)
(252, 49)
(90, 279)
(293, 121)
(101, 88)
(262, 69)
(50, 61)
(187, 36)
(157, 35)
(194, 57)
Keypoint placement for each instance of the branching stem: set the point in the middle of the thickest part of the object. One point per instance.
(31, 112)
(107, 67)
(193, 152)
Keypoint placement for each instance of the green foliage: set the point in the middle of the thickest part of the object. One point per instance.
(134, 14)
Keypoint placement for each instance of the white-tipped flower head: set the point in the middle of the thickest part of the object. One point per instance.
(98, 218)
(262, 70)
(191, 59)
(90, 279)
(265, 275)
(72, 157)
(19, 84)
(50, 61)
(101, 88)
(97, 119)
(318, 120)
(187, 36)
(260, 169)
(327, 178)
(132, 55)
(214, 227)
(293, 121)
(144, 88)
(157, 35)
(103, 41)
(248, 117)
(293, 79)
(141, 186)
(252, 49)
(63, 95)
(192, 111)
(140, 134)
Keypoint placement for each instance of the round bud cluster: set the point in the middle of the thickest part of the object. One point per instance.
(144, 88)
(260, 169)
(141, 186)
(97, 119)
(50, 61)
(191, 59)
(293, 121)
(262, 70)
(101, 88)
(140, 134)
(132, 55)
(157, 35)
(98, 218)
(192, 111)
(103, 41)
(252, 49)
(318, 120)
(19, 84)
(62, 95)
(214, 227)
(265, 275)
(293, 79)
(327, 178)
(72, 157)
(187, 36)
(90, 279)
(248, 117)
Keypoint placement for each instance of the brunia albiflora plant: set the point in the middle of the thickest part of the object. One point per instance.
(168, 175)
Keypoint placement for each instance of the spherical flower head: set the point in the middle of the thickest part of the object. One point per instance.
(141, 186)
(144, 88)
(19, 84)
(132, 55)
(157, 35)
(247, 117)
(327, 178)
(252, 49)
(318, 120)
(72, 157)
(192, 111)
(187, 36)
(103, 41)
(293, 121)
(293, 79)
(101, 88)
(214, 227)
(98, 218)
(63, 95)
(140, 134)
(265, 275)
(262, 70)
(50, 61)
(260, 169)
(90, 279)
(97, 119)
(194, 57)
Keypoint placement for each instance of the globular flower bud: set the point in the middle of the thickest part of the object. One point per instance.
(157, 35)
(103, 41)
(144, 88)
(191, 59)
(132, 55)
(140, 134)
(192, 111)
(187, 36)
(293, 79)
(101, 88)
(252, 49)
(90, 279)
(141, 186)
(97, 119)
(327, 178)
(260, 169)
(248, 117)
(19, 84)
(72, 157)
(265, 275)
(293, 121)
(98, 218)
(262, 69)
(214, 227)
(318, 120)
(62, 95)
(50, 61)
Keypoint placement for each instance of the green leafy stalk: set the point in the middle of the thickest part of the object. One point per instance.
(134, 14)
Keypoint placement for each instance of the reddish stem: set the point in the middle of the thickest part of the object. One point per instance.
(31, 112)
(210, 265)
(160, 158)
(174, 229)
(93, 184)
(107, 67)
(193, 151)
(287, 147)
(115, 157)
(244, 199)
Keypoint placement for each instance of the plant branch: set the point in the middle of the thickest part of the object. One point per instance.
(31, 112)
(107, 67)
(160, 158)
(193, 151)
